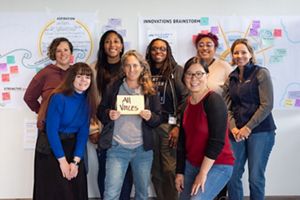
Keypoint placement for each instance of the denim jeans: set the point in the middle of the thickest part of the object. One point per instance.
(128, 181)
(256, 149)
(217, 178)
(117, 161)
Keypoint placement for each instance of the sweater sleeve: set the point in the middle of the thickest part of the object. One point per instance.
(54, 114)
(32, 94)
(82, 137)
(216, 112)
(265, 89)
(180, 156)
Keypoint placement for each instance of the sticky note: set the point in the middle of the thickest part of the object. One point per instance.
(297, 103)
(204, 31)
(14, 69)
(253, 32)
(214, 29)
(5, 96)
(204, 21)
(10, 59)
(255, 24)
(277, 33)
(114, 22)
(5, 77)
(289, 103)
(71, 59)
(3, 67)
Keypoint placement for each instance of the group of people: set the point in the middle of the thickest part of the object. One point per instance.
(199, 125)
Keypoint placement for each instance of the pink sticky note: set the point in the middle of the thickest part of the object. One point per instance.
(194, 38)
(14, 69)
(5, 77)
(5, 96)
(72, 59)
(277, 33)
(204, 31)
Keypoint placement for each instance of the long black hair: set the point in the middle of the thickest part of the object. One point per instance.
(103, 74)
(169, 63)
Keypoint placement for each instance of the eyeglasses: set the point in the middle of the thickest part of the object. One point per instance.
(197, 75)
(208, 45)
(162, 49)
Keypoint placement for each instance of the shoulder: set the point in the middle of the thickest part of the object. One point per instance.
(223, 64)
(262, 73)
(57, 98)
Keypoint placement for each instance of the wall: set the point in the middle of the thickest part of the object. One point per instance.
(16, 168)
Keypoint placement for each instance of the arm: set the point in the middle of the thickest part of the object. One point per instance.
(228, 102)
(216, 112)
(53, 118)
(32, 94)
(154, 107)
(265, 89)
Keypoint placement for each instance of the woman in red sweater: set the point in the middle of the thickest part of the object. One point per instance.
(204, 156)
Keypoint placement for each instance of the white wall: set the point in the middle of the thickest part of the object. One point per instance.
(16, 165)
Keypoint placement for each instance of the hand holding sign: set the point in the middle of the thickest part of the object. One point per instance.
(145, 114)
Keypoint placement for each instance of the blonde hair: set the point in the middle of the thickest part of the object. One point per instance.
(145, 77)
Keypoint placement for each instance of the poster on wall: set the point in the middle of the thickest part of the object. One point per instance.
(276, 41)
(23, 50)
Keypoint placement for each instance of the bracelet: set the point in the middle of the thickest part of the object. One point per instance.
(76, 163)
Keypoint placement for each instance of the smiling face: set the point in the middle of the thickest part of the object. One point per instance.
(132, 68)
(81, 83)
(206, 49)
(113, 47)
(241, 55)
(63, 55)
(159, 52)
(195, 78)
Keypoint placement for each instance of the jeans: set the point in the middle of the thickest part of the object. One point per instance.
(256, 149)
(117, 161)
(217, 178)
(128, 181)
(164, 164)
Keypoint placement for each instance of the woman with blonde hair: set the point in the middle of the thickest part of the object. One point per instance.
(129, 138)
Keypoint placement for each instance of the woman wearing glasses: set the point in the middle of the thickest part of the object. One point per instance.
(206, 45)
(204, 156)
(166, 74)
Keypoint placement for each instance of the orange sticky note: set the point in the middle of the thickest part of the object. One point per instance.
(14, 69)
(5, 77)
(5, 96)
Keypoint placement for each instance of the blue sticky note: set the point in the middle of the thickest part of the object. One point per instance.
(10, 59)
(204, 21)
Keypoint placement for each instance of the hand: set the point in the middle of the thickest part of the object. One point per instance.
(64, 168)
(199, 183)
(179, 182)
(94, 137)
(114, 115)
(173, 137)
(235, 131)
(73, 170)
(146, 114)
(244, 132)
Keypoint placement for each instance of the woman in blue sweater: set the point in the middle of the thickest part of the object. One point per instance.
(60, 174)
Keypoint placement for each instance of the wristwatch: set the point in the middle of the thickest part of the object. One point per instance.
(76, 163)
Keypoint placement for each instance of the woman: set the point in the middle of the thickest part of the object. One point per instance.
(206, 45)
(60, 174)
(204, 157)
(42, 84)
(219, 70)
(166, 74)
(108, 68)
(249, 92)
(129, 138)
